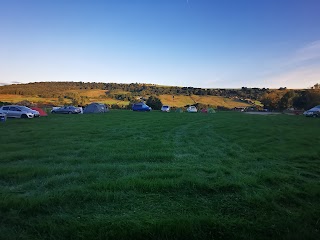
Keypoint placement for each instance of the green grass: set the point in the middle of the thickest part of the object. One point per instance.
(129, 175)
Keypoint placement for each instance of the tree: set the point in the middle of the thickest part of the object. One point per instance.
(154, 102)
(307, 99)
(300, 101)
(313, 98)
(287, 100)
(271, 101)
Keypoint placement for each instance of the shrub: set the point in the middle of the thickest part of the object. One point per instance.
(154, 102)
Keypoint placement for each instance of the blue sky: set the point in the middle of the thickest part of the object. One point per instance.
(199, 43)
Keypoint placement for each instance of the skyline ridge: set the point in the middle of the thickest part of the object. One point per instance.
(153, 84)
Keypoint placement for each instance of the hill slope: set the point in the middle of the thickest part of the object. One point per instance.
(59, 93)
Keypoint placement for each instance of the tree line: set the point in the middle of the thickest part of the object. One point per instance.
(54, 89)
(297, 99)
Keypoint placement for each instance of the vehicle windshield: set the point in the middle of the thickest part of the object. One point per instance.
(25, 108)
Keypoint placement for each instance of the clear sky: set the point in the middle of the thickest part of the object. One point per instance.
(199, 43)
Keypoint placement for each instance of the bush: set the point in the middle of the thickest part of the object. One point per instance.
(115, 106)
(154, 102)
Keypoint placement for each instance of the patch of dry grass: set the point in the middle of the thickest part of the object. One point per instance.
(177, 101)
(18, 98)
(180, 101)
(92, 93)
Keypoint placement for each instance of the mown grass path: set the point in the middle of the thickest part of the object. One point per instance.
(129, 175)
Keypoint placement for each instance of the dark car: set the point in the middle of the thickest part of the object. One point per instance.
(67, 110)
(142, 107)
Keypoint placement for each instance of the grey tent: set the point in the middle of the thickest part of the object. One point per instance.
(96, 108)
(211, 110)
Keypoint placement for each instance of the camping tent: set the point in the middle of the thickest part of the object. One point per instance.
(40, 110)
(211, 110)
(81, 110)
(179, 110)
(96, 108)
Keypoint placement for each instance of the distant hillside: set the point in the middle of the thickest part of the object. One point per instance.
(80, 93)
(55, 89)
(58, 93)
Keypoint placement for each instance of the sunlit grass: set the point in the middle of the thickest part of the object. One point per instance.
(91, 93)
(181, 101)
(18, 98)
(129, 175)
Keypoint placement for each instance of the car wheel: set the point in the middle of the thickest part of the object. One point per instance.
(24, 116)
(69, 112)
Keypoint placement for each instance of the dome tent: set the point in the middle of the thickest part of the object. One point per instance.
(211, 110)
(40, 110)
(96, 108)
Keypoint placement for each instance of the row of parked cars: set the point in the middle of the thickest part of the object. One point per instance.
(142, 107)
(17, 111)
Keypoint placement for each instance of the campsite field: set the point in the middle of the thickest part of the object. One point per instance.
(130, 175)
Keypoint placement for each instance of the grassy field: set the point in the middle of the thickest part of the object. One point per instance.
(130, 175)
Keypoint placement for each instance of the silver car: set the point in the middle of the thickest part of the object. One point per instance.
(165, 108)
(67, 110)
(16, 111)
(192, 109)
(311, 113)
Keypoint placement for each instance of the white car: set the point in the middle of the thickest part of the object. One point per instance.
(35, 112)
(16, 111)
(165, 108)
(313, 112)
(192, 109)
